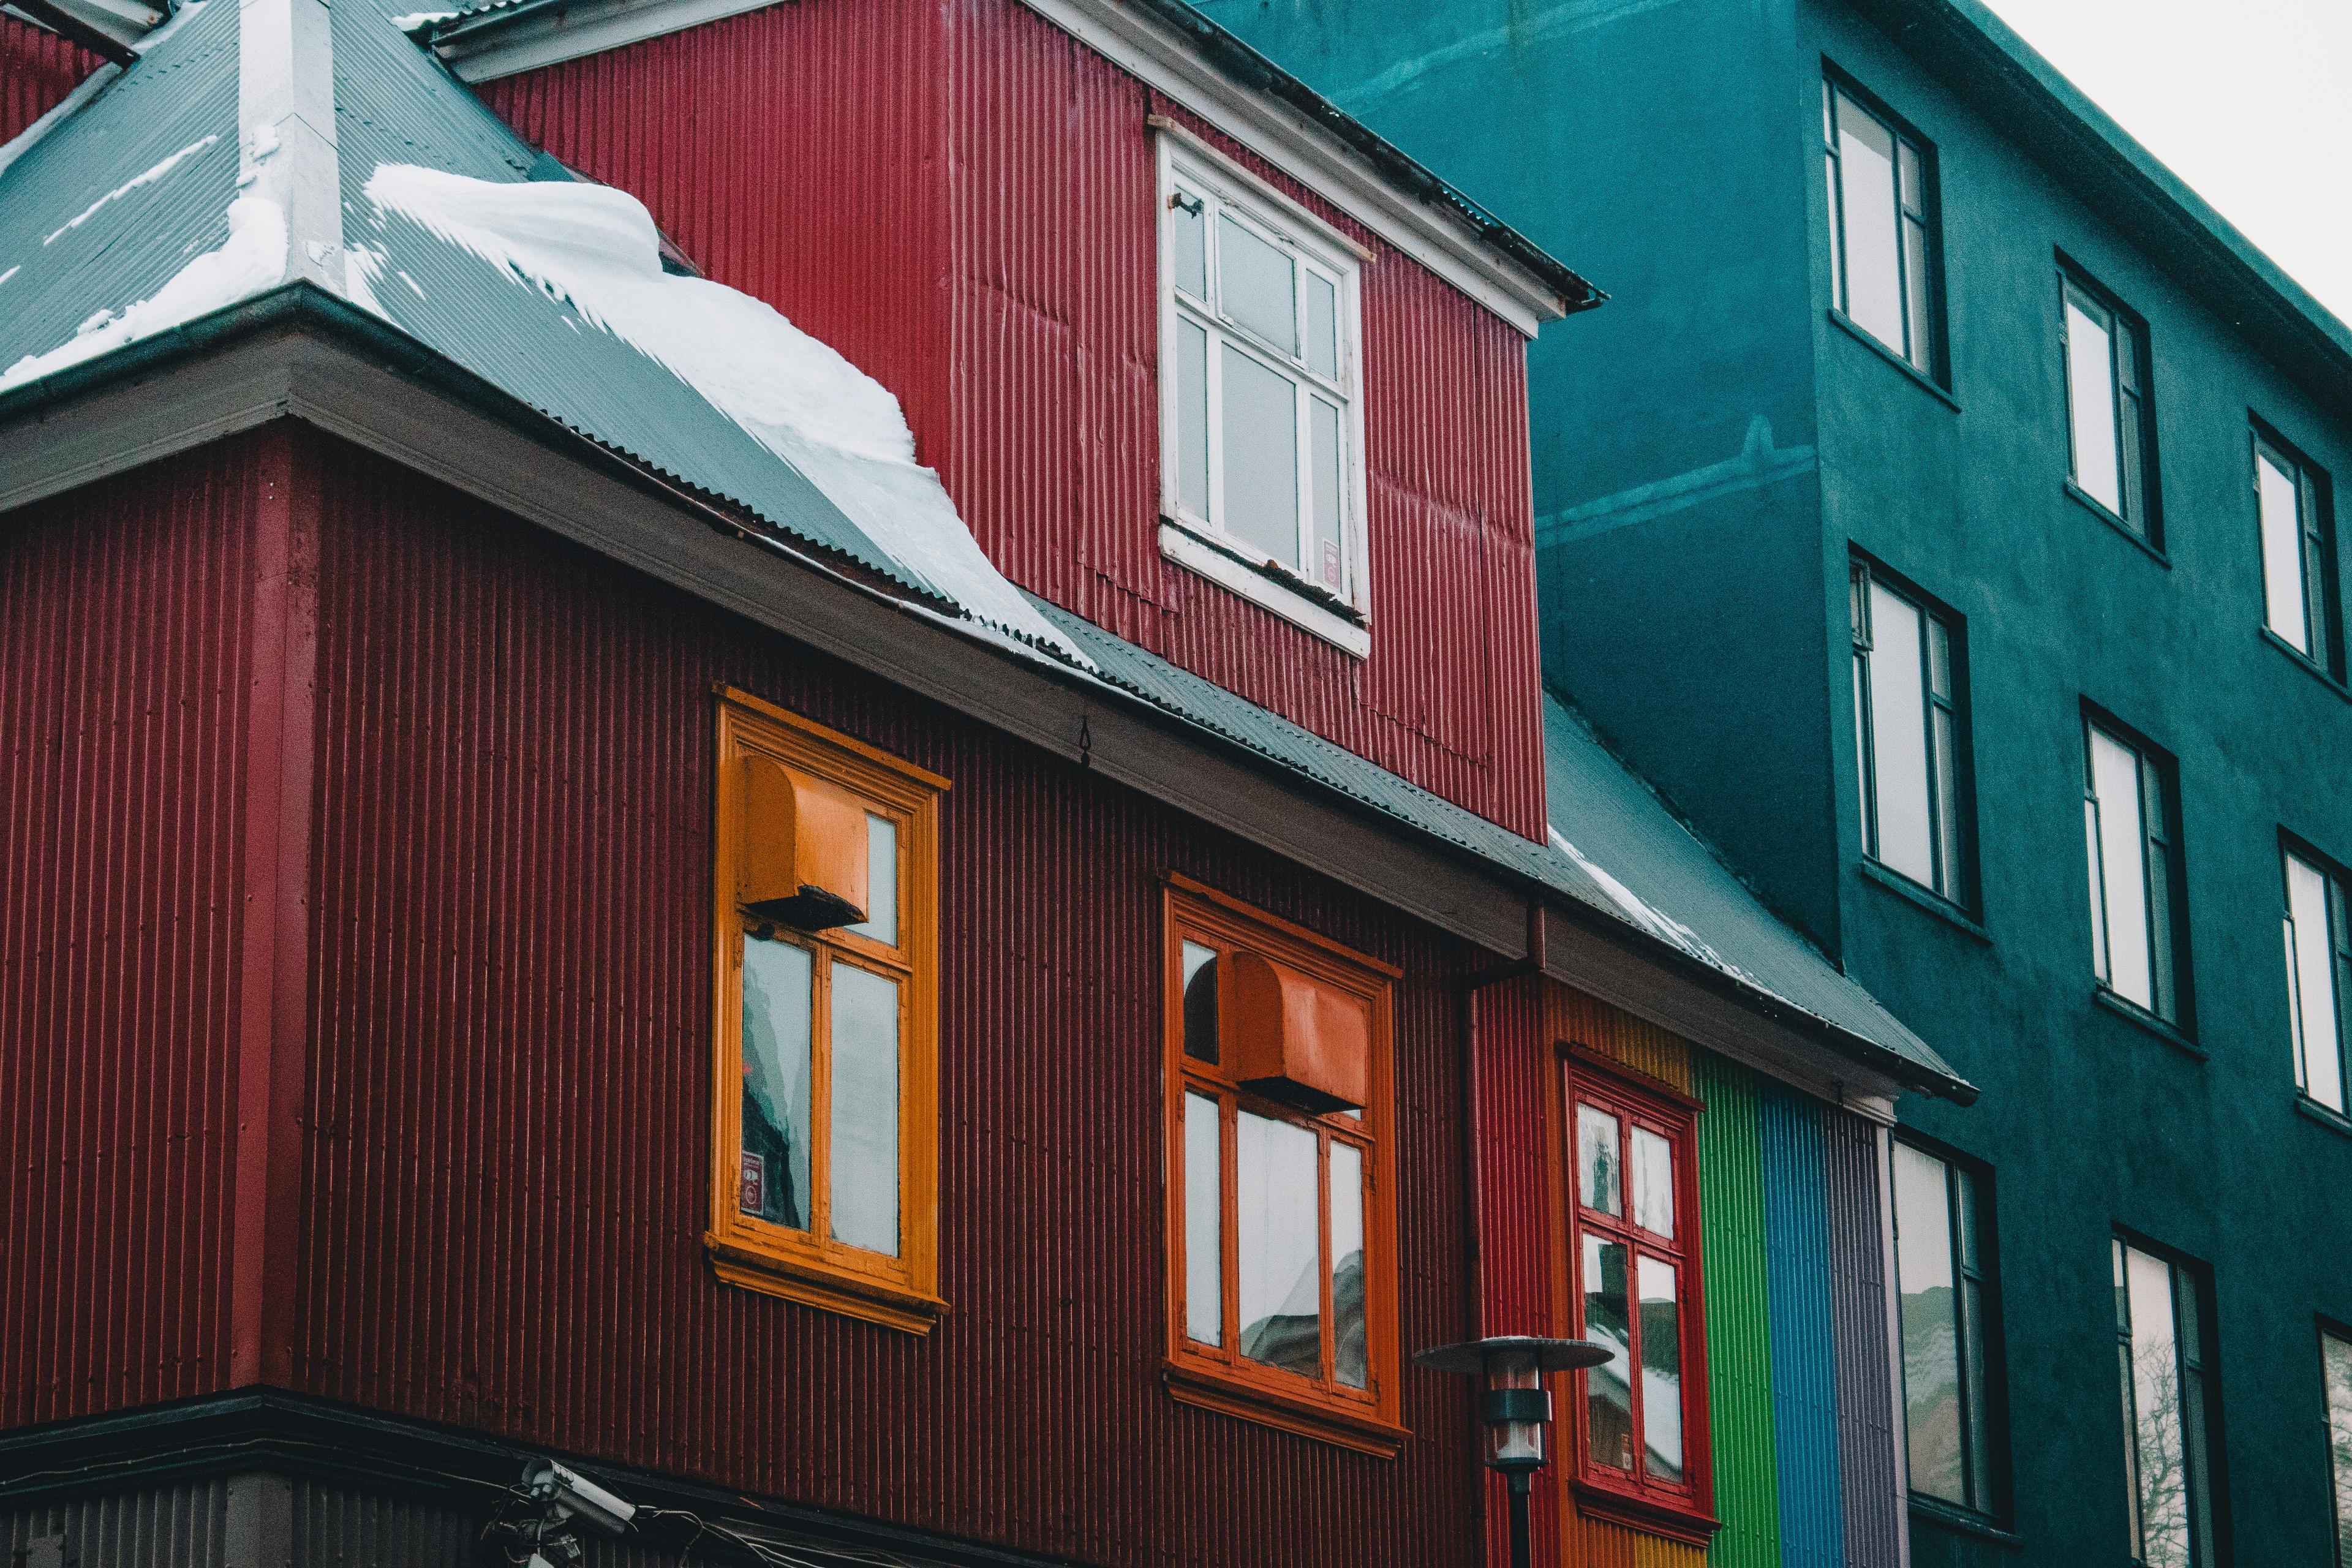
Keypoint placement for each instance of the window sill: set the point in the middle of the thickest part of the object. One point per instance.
(1862, 335)
(1943, 1516)
(1258, 585)
(2334, 1120)
(1355, 1427)
(1684, 1522)
(2306, 663)
(1933, 902)
(2098, 508)
(2147, 1020)
(812, 1284)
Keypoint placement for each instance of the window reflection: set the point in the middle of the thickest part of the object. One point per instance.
(1609, 1387)
(1280, 1257)
(1596, 1159)
(1204, 1268)
(865, 1193)
(775, 1176)
(1350, 1362)
(1662, 1372)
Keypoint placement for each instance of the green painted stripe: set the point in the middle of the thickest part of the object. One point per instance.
(1739, 1327)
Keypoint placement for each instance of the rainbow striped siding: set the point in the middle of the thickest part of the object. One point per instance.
(1789, 1414)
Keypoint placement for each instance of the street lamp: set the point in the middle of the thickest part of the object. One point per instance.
(1516, 1407)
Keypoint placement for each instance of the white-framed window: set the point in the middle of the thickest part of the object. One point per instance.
(2318, 975)
(1262, 468)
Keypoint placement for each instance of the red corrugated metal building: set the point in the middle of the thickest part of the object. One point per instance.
(390, 784)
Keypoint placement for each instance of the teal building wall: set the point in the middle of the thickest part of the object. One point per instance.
(1708, 449)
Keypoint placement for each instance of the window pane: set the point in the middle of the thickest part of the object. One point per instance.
(864, 1109)
(2157, 1431)
(2115, 777)
(1654, 1182)
(1281, 1256)
(1189, 228)
(1608, 1388)
(1200, 1002)
(1261, 429)
(1258, 285)
(1918, 298)
(2091, 403)
(1898, 736)
(1662, 1372)
(1348, 1360)
(2337, 1357)
(1837, 273)
(1913, 188)
(1947, 806)
(881, 880)
(1929, 1309)
(1324, 557)
(1192, 417)
(775, 1181)
(1204, 1282)
(2281, 551)
(2312, 985)
(1596, 1161)
(1320, 302)
(1874, 268)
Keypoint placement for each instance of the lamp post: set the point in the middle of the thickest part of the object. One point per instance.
(1516, 1407)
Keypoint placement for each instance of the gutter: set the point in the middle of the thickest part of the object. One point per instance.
(303, 304)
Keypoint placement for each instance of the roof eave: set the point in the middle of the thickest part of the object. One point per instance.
(303, 307)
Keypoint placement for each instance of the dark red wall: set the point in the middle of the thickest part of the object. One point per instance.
(125, 614)
(505, 1133)
(961, 198)
(38, 69)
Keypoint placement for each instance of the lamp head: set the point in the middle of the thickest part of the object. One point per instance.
(1516, 1407)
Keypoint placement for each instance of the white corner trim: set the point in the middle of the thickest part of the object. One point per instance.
(1163, 59)
(1220, 168)
(1182, 548)
(567, 32)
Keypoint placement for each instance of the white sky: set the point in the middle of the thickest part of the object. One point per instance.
(2249, 101)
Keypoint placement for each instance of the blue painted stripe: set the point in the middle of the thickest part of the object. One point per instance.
(1805, 1347)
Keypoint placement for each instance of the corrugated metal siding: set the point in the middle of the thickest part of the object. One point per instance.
(993, 180)
(37, 70)
(1873, 1501)
(180, 1526)
(507, 1156)
(123, 613)
(1805, 1389)
(1732, 1233)
(1578, 1019)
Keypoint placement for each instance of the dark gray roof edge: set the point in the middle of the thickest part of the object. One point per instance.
(1248, 68)
(1245, 67)
(1985, 61)
(301, 305)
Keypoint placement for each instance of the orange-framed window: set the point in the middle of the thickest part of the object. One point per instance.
(1281, 1231)
(1640, 1449)
(824, 1136)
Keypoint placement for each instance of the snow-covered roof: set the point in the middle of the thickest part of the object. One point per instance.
(197, 178)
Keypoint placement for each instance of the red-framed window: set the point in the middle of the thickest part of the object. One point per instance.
(1640, 1450)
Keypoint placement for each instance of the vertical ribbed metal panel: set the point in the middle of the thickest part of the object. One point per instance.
(1732, 1231)
(37, 70)
(1806, 1391)
(961, 198)
(1517, 1220)
(508, 1117)
(1872, 1496)
(182, 1526)
(1574, 1019)
(122, 719)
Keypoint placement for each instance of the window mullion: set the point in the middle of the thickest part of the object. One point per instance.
(820, 1132)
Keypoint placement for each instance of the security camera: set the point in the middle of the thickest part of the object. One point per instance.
(569, 1495)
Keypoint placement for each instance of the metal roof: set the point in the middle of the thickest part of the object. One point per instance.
(88, 224)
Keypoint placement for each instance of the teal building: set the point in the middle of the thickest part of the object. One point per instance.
(1941, 511)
